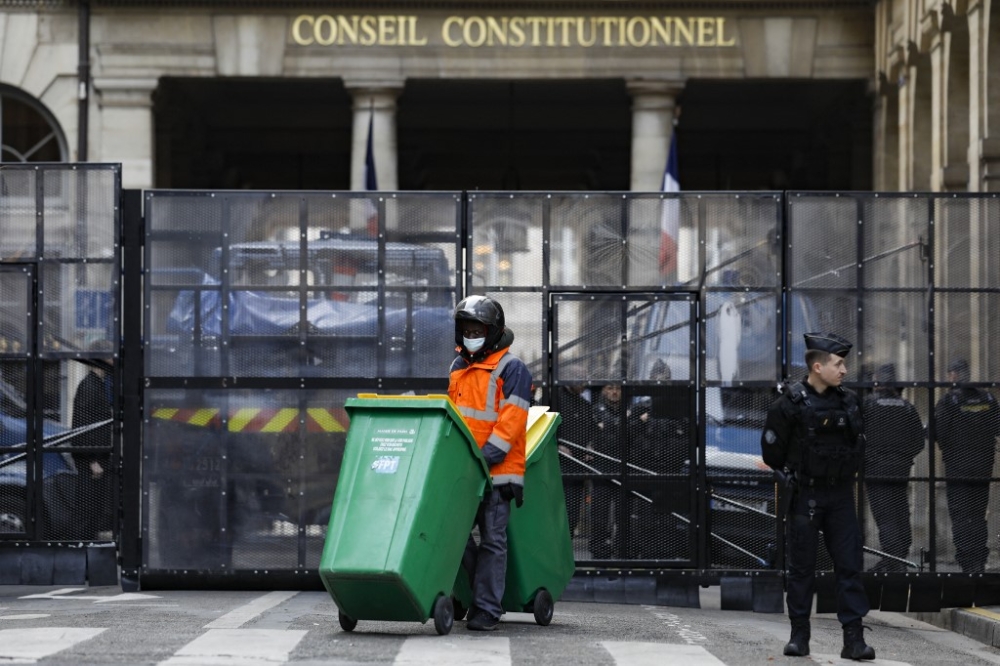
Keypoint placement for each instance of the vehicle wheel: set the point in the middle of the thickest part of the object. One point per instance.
(543, 608)
(444, 615)
(460, 610)
(346, 623)
(11, 516)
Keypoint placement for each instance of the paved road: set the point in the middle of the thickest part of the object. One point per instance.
(193, 628)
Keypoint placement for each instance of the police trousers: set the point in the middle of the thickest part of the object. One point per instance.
(829, 509)
(486, 563)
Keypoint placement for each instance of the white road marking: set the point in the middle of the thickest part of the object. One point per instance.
(28, 645)
(54, 593)
(63, 595)
(24, 616)
(240, 616)
(657, 654)
(837, 660)
(125, 596)
(237, 647)
(454, 651)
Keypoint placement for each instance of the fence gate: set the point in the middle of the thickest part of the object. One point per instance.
(59, 331)
(623, 378)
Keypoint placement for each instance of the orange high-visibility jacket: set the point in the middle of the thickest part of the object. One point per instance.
(494, 395)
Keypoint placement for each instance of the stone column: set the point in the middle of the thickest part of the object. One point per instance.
(976, 110)
(378, 103)
(938, 114)
(125, 128)
(653, 112)
(886, 159)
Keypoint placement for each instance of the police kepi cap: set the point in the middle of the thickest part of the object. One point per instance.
(958, 365)
(828, 342)
(886, 373)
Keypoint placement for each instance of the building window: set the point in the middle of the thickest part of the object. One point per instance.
(28, 132)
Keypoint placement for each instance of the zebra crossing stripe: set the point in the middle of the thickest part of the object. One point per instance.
(657, 654)
(28, 645)
(454, 651)
(240, 616)
(238, 647)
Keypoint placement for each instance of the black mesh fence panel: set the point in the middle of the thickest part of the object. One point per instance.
(309, 298)
(918, 295)
(657, 325)
(59, 350)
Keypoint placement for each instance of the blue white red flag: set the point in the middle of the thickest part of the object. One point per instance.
(670, 216)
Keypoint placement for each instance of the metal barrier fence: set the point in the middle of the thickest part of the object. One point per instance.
(658, 325)
(59, 299)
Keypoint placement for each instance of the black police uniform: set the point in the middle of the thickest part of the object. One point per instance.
(894, 435)
(604, 494)
(968, 423)
(577, 427)
(816, 438)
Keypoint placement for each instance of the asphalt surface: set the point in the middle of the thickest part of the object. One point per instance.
(230, 628)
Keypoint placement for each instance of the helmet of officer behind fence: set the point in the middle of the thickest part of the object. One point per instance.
(484, 310)
(961, 368)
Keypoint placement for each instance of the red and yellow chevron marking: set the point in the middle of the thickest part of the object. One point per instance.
(259, 419)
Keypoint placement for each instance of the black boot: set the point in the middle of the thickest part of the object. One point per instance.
(854, 643)
(798, 644)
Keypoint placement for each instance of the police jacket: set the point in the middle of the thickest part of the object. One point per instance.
(493, 394)
(814, 434)
(967, 425)
(93, 404)
(894, 434)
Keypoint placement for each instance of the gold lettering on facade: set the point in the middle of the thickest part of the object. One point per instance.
(513, 31)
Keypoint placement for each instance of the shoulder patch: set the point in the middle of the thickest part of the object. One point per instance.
(770, 437)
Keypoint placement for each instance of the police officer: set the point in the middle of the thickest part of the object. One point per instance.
(894, 435)
(968, 423)
(492, 389)
(814, 435)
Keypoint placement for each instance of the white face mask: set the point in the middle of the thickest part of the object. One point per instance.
(473, 344)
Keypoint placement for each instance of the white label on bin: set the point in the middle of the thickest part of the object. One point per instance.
(386, 464)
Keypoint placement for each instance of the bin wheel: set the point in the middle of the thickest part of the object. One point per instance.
(460, 610)
(444, 615)
(543, 607)
(346, 623)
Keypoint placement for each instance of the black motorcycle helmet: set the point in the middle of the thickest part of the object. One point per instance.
(486, 311)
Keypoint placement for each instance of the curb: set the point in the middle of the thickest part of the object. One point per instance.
(980, 624)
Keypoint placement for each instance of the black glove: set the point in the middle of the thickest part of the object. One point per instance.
(494, 454)
(512, 491)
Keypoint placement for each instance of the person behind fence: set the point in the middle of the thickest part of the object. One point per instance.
(576, 432)
(894, 435)
(492, 390)
(608, 416)
(93, 405)
(967, 420)
(814, 439)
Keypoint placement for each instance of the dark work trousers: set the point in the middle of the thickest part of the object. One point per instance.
(486, 564)
(603, 498)
(890, 505)
(967, 501)
(833, 513)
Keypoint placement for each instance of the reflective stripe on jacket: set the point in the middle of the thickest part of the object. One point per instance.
(493, 396)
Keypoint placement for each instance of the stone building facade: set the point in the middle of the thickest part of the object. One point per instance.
(938, 74)
(654, 48)
(932, 78)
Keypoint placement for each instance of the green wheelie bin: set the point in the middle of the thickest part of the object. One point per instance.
(410, 482)
(540, 559)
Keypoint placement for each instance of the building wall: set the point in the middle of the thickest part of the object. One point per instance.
(376, 51)
(937, 122)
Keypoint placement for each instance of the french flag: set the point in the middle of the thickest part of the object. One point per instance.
(670, 216)
(371, 182)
